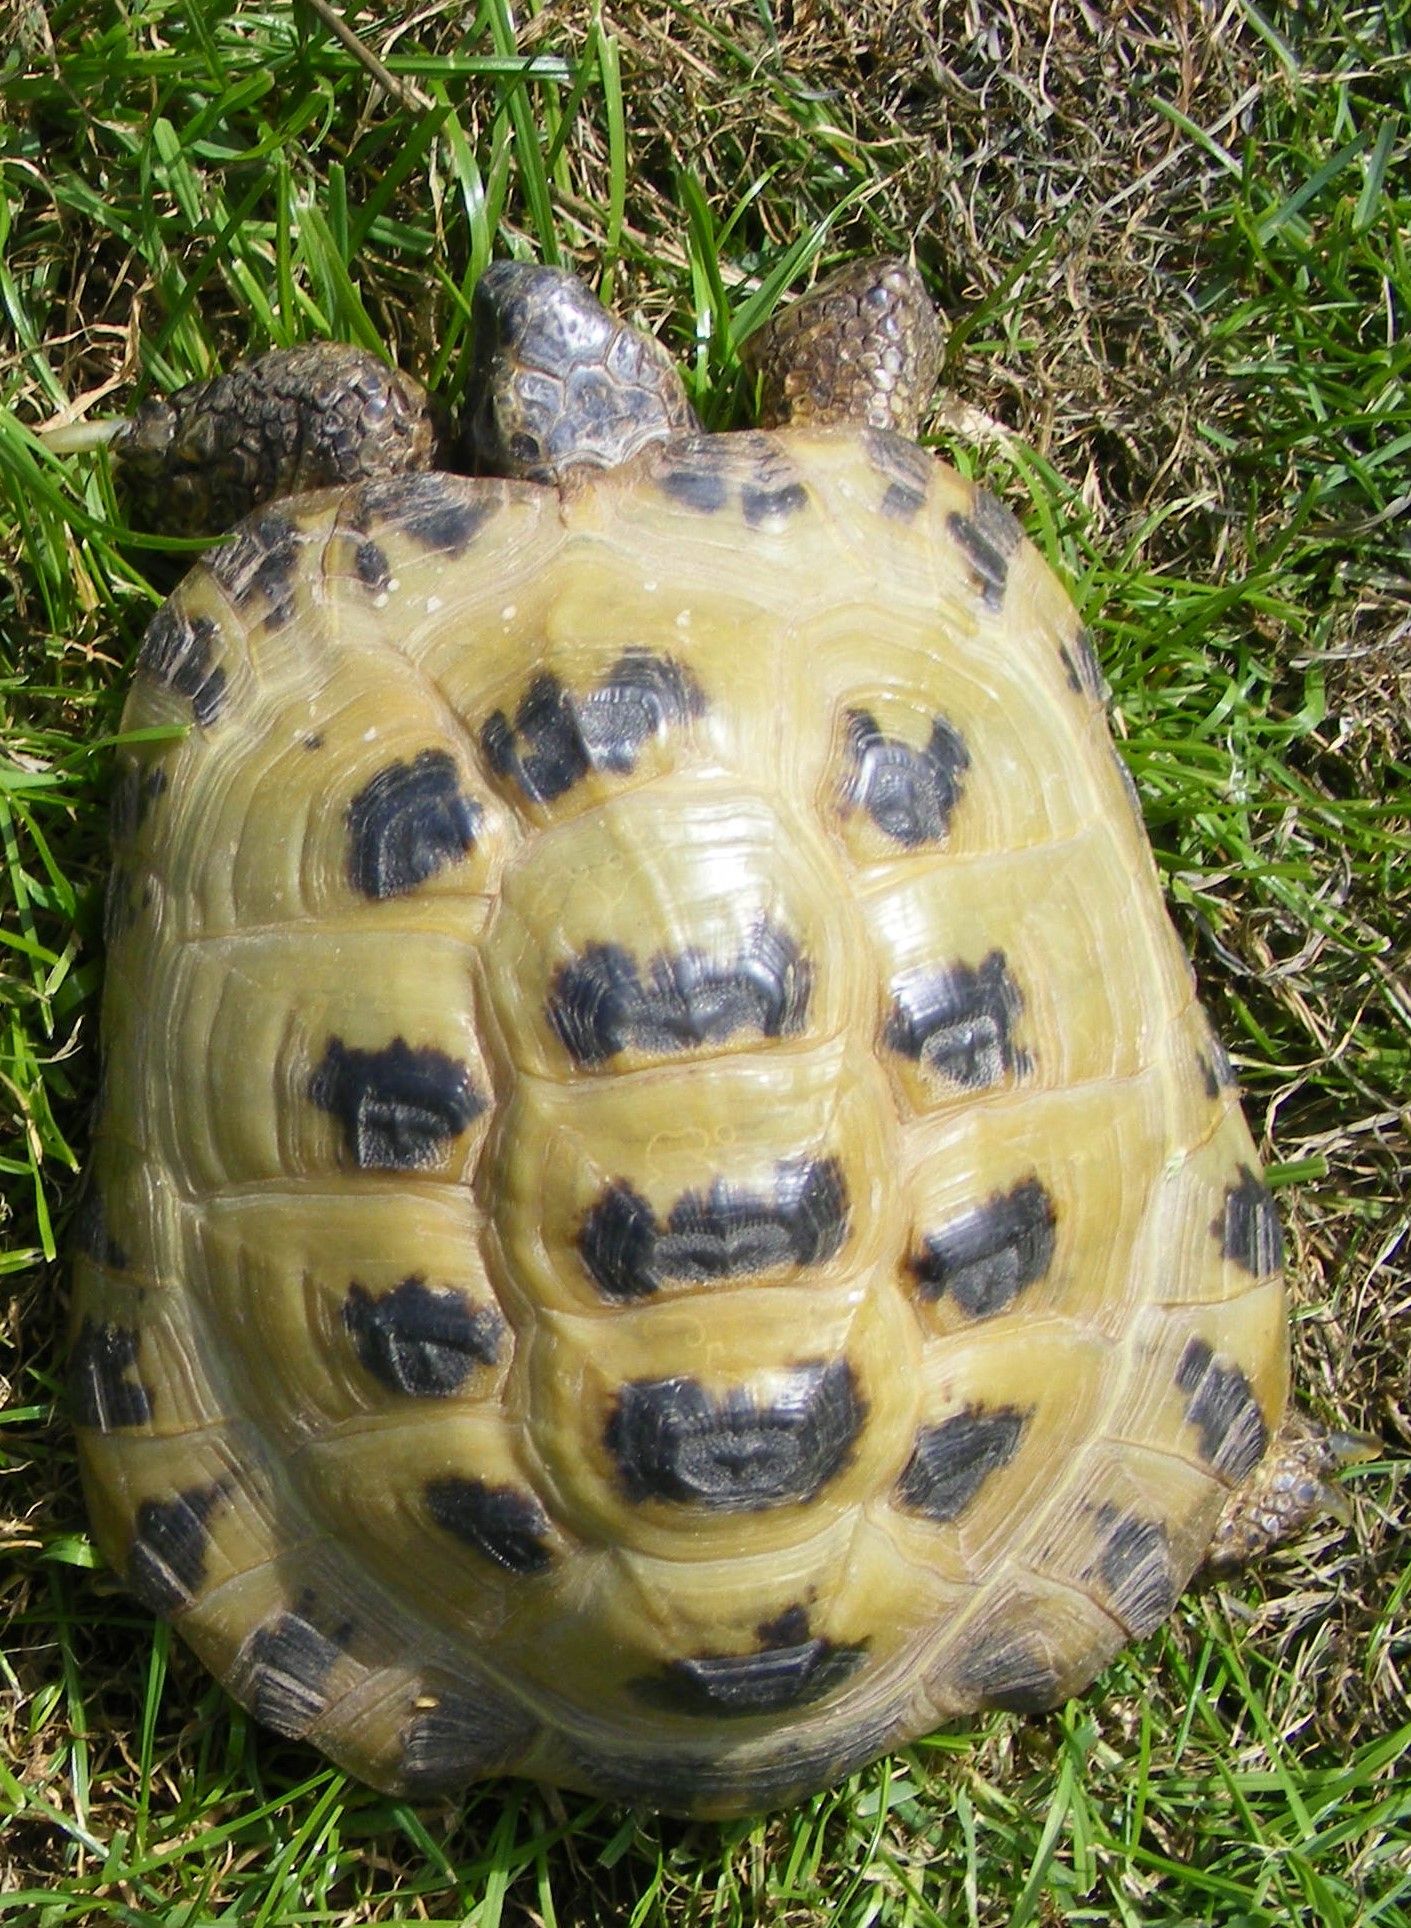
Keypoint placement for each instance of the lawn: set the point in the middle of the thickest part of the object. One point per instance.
(1172, 243)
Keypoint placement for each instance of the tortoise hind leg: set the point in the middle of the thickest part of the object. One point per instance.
(862, 350)
(1289, 1487)
(312, 417)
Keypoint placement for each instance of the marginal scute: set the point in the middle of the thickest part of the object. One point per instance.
(703, 472)
(1248, 1229)
(1234, 1434)
(136, 790)
(957, 1021)
(459, 1737)
(906, 469)
(504, 1523)
(743, 1451)
(166, 1563)
(91, 1234)
(790, 1764)
(407, 823)
(282, 1669)
(260, 562)
(908, 793)
(399, 1107)
(1135, 1564)
(1006, 1667)
(442, 514)
(699, 488)
(600, 1002)
(989, 535)
(1084, 672)
(791, 1667)
(723, 1232)
(768, 505)
(420, 1340)
(985, 1257)
(951, 1462)
(104, 1389)
(1216, 1070)
(176, 651)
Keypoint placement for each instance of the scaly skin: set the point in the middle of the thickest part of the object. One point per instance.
(864, 348)
(295, 419)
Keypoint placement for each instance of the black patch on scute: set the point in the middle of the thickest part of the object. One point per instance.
(399, 1107)
(281, 1672)
(430, 509)
(989, 535)
(370, 561)
(1216, 1071)
(409, 822)
(555, 757)
(167, 1560)
(1135, 1562)
(90, 1230)
(133, 797)
(955, 1021)
(1007, 1668)
(504, 1523)
(617, 1243)
(789, 1668)
(672, 1440)
(700, 488)
(421, 1340)
(599, 1004)
(557, 738)
(177, 653)
(1079, 659)
(909, 794)
(985, 1257)
(261, 559)
(761, 504)
(951, 1462)
(459, 1739)
(906, 469)
(716, 1234)
(1248, 1229)
(119, 912)
(642, 696)
(104, 1390)
(1224, 1411)
(123, 806)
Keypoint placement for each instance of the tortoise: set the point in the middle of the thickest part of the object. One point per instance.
(665, 1217)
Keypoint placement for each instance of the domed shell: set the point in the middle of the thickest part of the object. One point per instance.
(665, 1215)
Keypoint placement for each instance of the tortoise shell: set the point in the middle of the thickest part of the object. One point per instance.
(665, 1216)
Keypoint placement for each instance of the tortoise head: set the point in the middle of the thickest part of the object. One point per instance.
(561, 384)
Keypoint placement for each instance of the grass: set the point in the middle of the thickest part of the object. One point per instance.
(1175, 250)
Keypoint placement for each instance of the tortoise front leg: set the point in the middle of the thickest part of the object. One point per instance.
(1289, 1487)
(294, 419)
